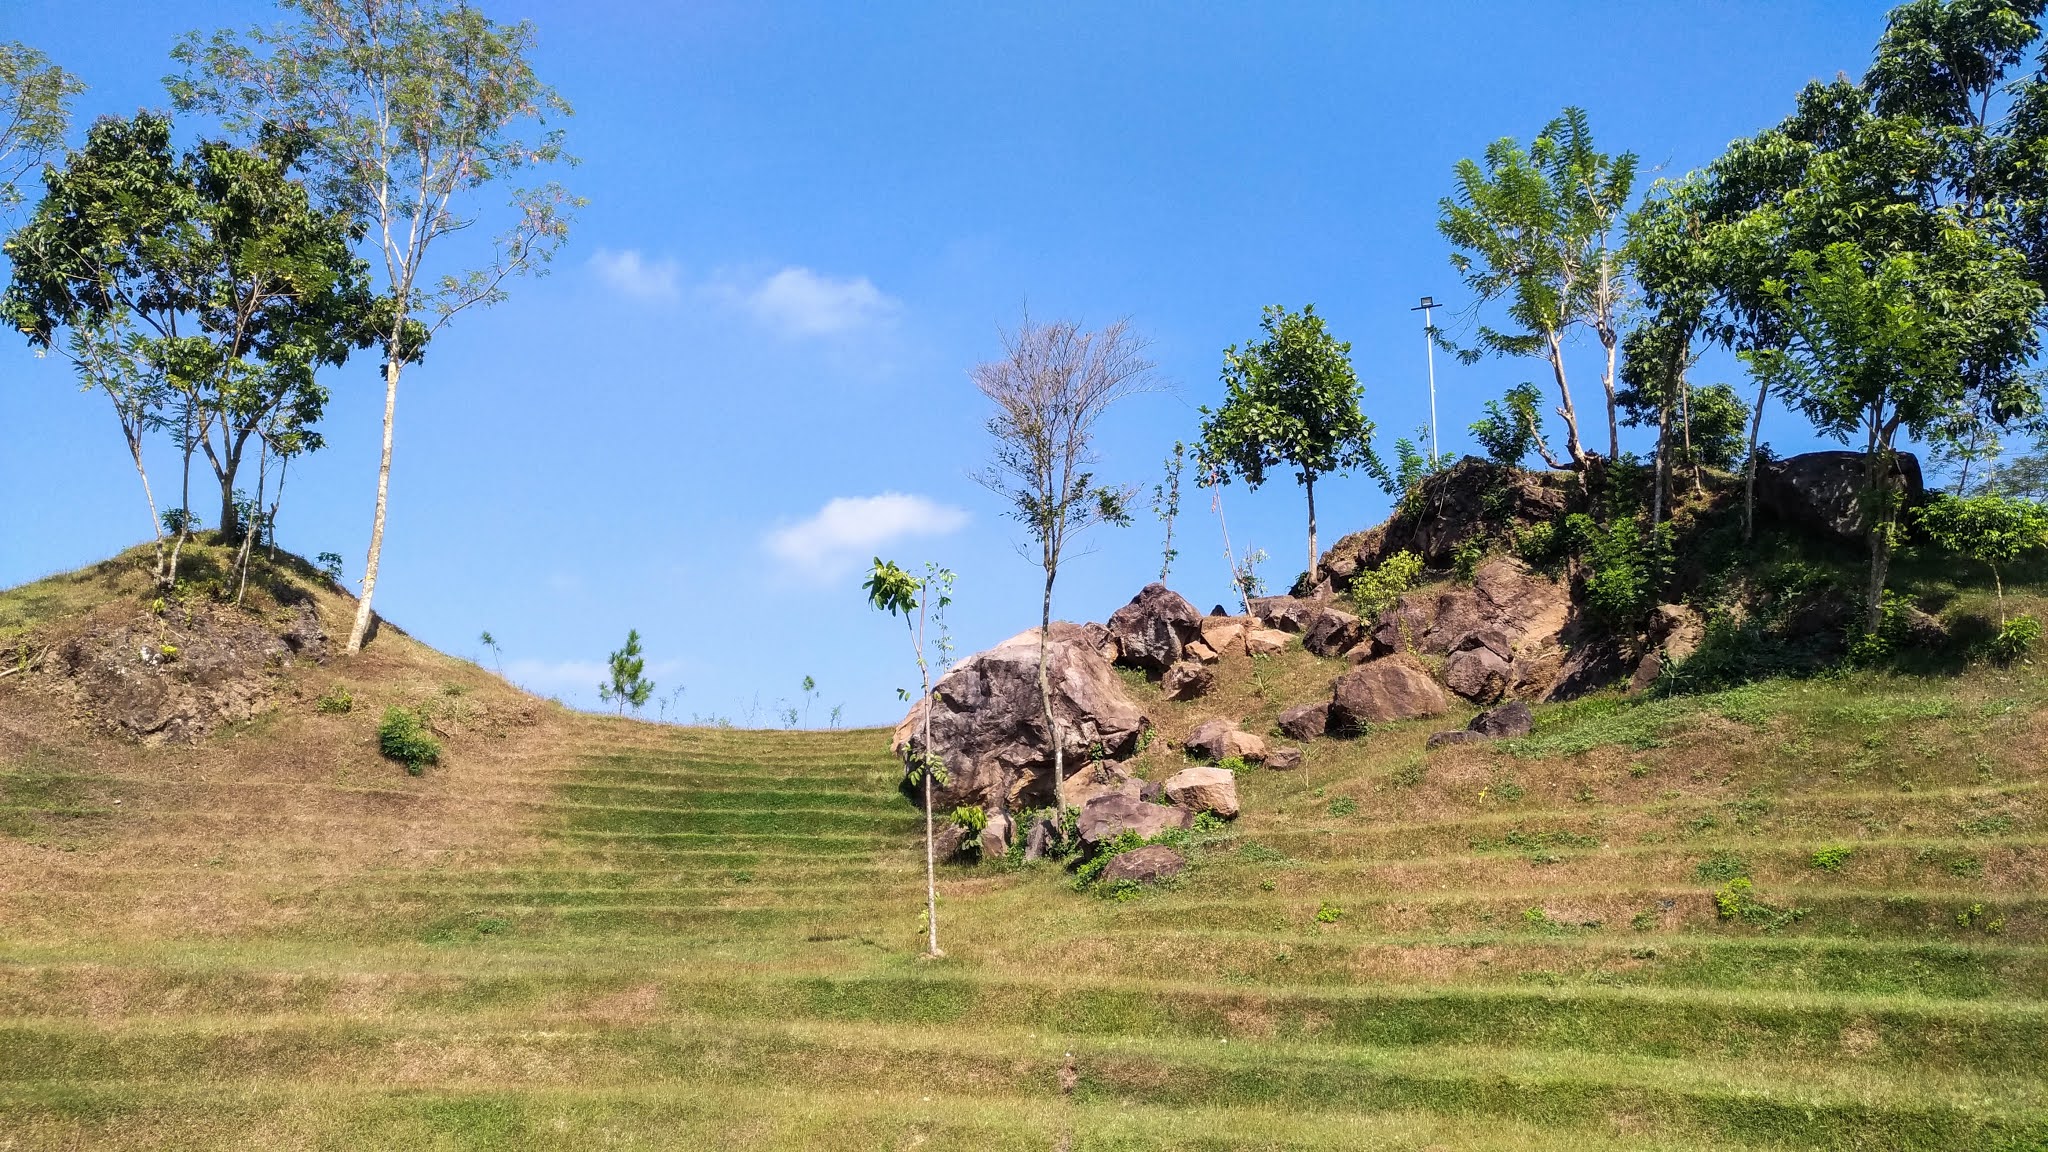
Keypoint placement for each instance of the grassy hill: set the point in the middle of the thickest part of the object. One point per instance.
(580, 932)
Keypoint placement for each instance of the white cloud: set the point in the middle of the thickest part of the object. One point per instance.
(799, 302)
(631, 274)
(851, 529)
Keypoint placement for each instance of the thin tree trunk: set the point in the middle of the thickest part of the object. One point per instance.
(156, 524)
(361, 629)
(1756, 426)
(1572, 447)
(1607, 382)
(1663, 469)
(1877, 472)
(1999, 584)
(1310, 482)
(1685, 426)
(1059, 762)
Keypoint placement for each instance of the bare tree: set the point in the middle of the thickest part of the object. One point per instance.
(1053, 382)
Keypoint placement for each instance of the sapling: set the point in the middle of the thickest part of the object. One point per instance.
(919, 602)
(627, 685)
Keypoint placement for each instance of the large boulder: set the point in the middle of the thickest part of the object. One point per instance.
(1204, 790)
(1226, 633)
(1305, 721)
(989, 726)
(1097, 779)
(1522, 616)
(1147, 865)
(1478, 673)
(1286, 613)
(1265, 642)
(1151, 630)
(1221, 740)
(1330, 632)
(1105, 817)
(1186, 680)
(1821, 492)
(1510, 721)
(1381, 692)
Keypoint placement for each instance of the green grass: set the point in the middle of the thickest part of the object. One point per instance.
(709, 939)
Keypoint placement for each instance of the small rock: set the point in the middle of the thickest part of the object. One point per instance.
(1039, 838)
(995, 838)
(1204, 790)
(1104, 817)
(1305, 721)
(1221, 739)
(1283, 759)
(1455, 736)
(1092, 780)
(1186, 680)
(1510, 721)
(1198, 651)
(1147, 865)
(1265, 642)
(1224, 633)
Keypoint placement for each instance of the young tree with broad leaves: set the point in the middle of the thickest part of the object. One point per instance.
(1052, 384)
(412, 107)
(918, 602)
(1290, 398)
(1536, 227)
(35, 111)
(1993, 530)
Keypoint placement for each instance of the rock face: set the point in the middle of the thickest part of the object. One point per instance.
(1286, 613)
(1331, 631)
(989, 727)
(1104, 817)
(1381, 692)
(1147, 865)
(1151, 630)
(1821, 491)
(1220, 740)
(1674, 634)
(1186, 680)
(1520, 616)
(1479, 674)
(1305, 721)
(1203, 789)
(1467, 501)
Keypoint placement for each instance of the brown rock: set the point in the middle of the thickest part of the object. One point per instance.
(1283, 759)
(1224, 633)
(1478, 674)
(1265, 642)
(1507, 722)
(1382, 692)
(1098, 779)
(1186, 680)
(989, 725)
(1455, 736)
(1591, 665)
(995, 838)
(1197, 651)
(1220, 740)
(1151, 630)
(1104, 817)
(1305, 721)
(1677, 629)
(1147, 865)
(1821, 492)
(1286, 613)
(1204, 790)
(1331, 632)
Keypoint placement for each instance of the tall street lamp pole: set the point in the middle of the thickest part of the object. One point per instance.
(1429, 347)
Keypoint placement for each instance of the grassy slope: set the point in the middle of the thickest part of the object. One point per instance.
(592, 933)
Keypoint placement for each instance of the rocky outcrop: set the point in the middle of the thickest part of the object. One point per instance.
(1151, 630)
(1477, 673)
(1331, 632)
(1265, 642)
(1822, 492)
(1204, 790)
(989, 727)
(1471, 500)
(1105, 817)
(1305, 721)
(1512, 621)
(1220, 740)
(1381, 692)
(1147, 865)
(1226, 633)
(1674, 634)
(1186, 680)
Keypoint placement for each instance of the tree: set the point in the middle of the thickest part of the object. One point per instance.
(627, 685)
(1053, 382)
(1879, 344)
(1511, 427)
(1993, 530)
(1166, 505)
(411, 108)
(207, 280)
(1670, 250)
(895, 591)
(1290, 398)
(1535, 227)
(35, 110)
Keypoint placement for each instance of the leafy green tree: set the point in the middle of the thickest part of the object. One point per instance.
(208, 280)
(1511, 427)
(1992, 530)
(1535, 227)
(627, 685)
(411, 110)
(1053, 382)
(35, 110)
(918, 602)
(1670, 249)
(1874, 345)
(1290, 398)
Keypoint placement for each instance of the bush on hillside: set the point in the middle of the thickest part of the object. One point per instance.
(402, 736)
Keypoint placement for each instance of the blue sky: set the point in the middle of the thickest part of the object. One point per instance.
(748, 370)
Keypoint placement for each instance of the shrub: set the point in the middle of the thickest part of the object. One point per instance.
(1722, 866)
(1737, 900)
(1832, 857)
(1328, 913)
(1511, 425)
(2014, 640)
(1233, 764)
(1465, 561)
(1209, 823)
(335, 701)
(402, 736)
(1374, 590)
(971, 819)
(1343, 806)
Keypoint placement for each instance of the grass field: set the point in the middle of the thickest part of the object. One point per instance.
(590, 933)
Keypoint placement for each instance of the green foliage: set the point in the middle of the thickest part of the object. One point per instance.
(336, 701)
(971, 819)
(1343, 806)
(627, 685)
(1719, 421)
(1722, 866)
(403, 736)
(1233, 764)
(1328, 913)
(35, 108)
(1512, 425)
(1465, 561)
(1208, 824)
(1991, 529)
(1831, 857)
(329, 564)
(1737, 901)
(2015, 638)
(1374, 590)
(1166, 505)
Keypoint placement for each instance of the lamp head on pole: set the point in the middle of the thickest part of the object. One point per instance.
(1428, 302)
